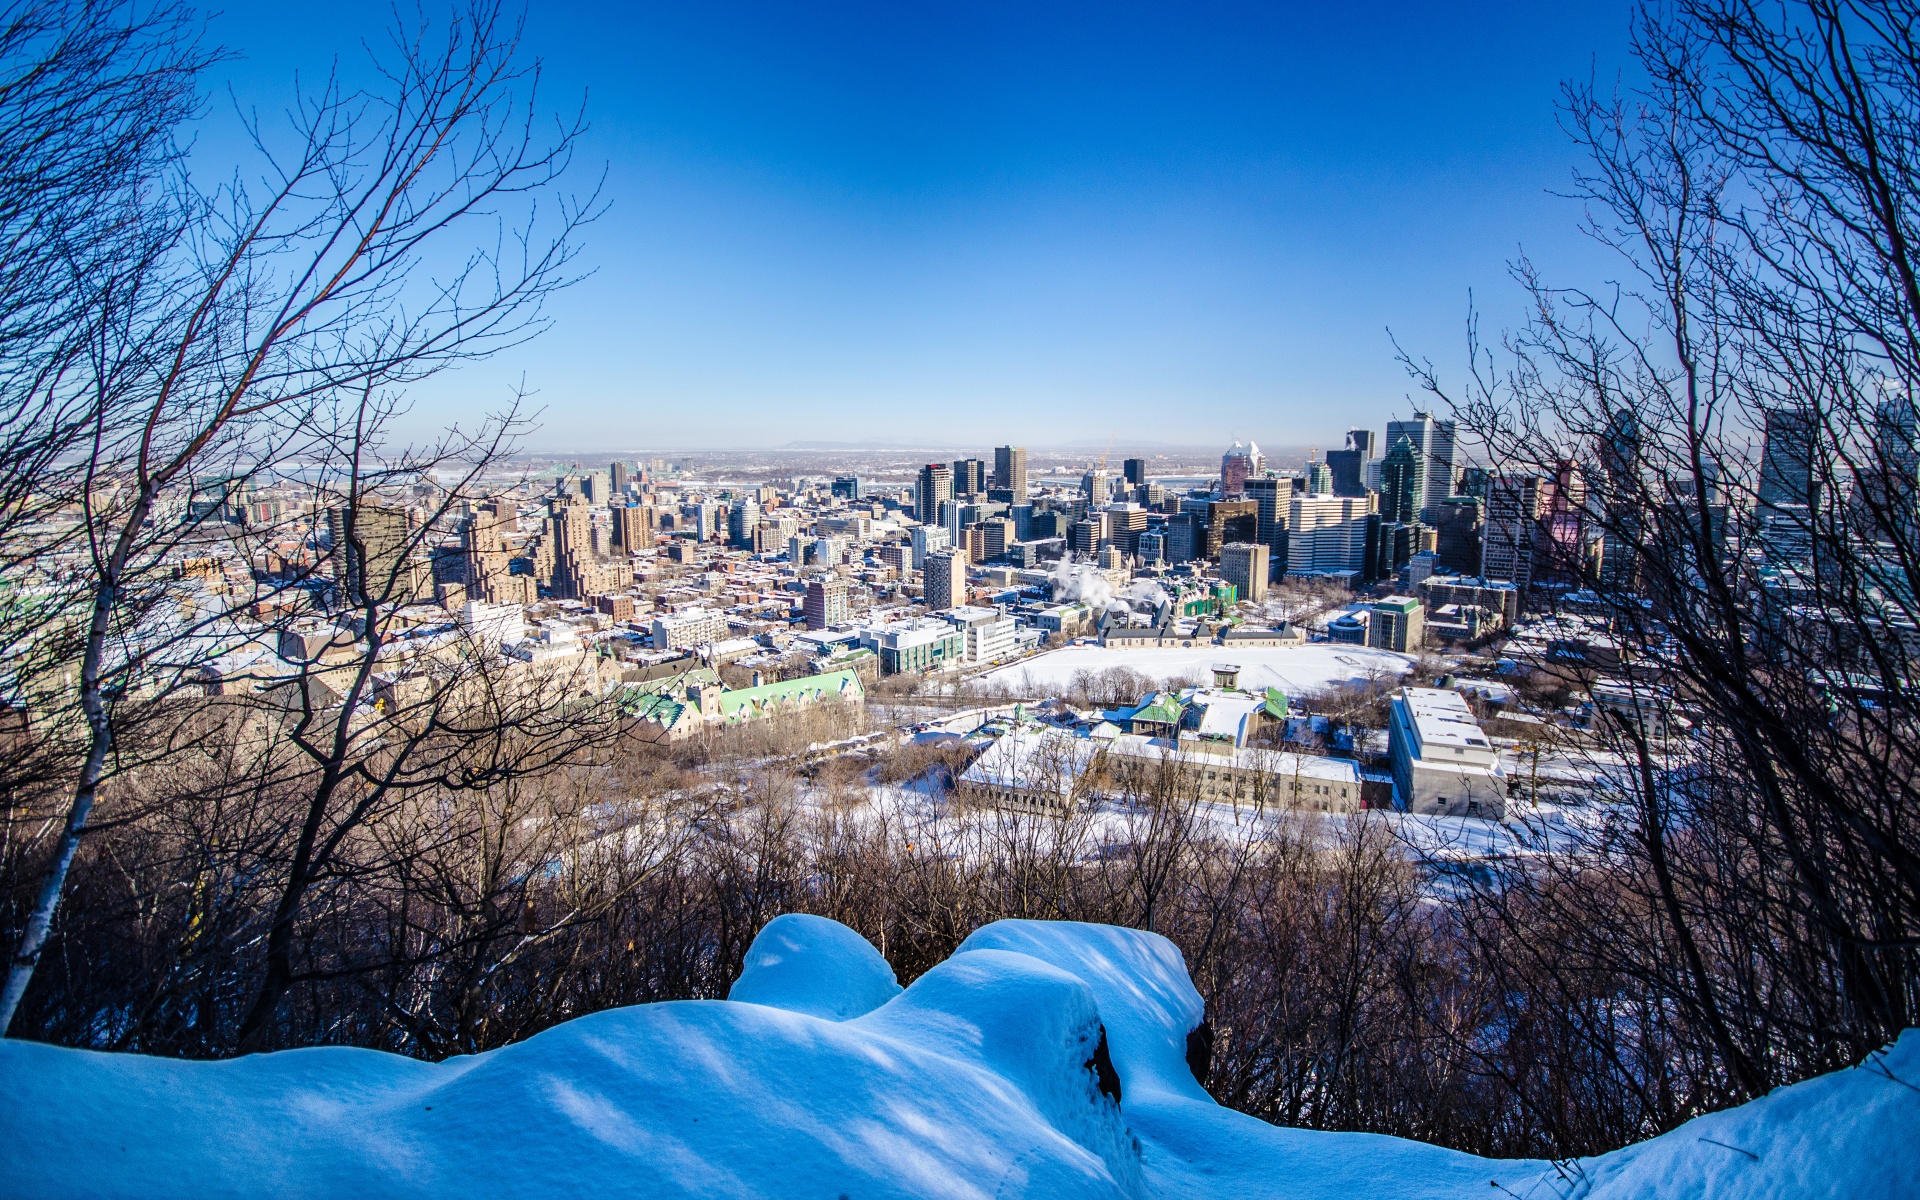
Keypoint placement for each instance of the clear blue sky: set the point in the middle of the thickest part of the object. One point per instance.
(973, 223)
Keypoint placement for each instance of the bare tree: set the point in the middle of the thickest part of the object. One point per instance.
(272, 321)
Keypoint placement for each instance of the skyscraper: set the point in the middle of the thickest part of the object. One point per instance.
(945, 579)
(1510, 540)
(1093, 485)
(1327, 533)
(619, 476)
(1244, 564)
(632, 528)
(1136, 471)
(372, 555)
(969, 476)
(1010, 471)
(1432, 443)
(1271, 495)
(1349, 466)
(1237, 465)
(1402, 482)
(934, 485)
(826, 602)
(846, 487)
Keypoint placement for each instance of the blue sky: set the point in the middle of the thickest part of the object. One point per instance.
(972, 223)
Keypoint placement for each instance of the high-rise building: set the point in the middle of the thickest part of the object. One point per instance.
(1349, 466)
(1787, 461)
(1136, 472)
(1458, 525)
(632, 528)
(1084, 537)
(1327, 533)
(1319, 478)
(1511, 538)
(1271, 495)
(1244, 564)
(1239, 464)
(741, 519)
(1125, 522)
(619, 475)
(1186, 538)
(925, 540)
(969, 477)
(846, 487)
(826, 603)
(1232, 521)
(1402, 482)
(945, 579)
(934, 486)
(1152, 548)
(1095, 488)
(1432, 442)
(373, 556)
(1010, 471)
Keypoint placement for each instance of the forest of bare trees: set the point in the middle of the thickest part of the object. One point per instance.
(416, 851)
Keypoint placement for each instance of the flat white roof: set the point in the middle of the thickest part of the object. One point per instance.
(1442, 718)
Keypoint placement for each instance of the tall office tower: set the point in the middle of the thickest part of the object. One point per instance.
(1136, 472)
(846, 487)
(1327, 533)
(372, 560)
(1432, 443)
(1010, 471)
(999, 534)
(1186, 538)
(570, 531)
(934, 485)
(1125, 522)
(1270, 495)
(1095, 488)
(826, 603)
(1790, 486)
(1349, 466)
(1084, 538)
(1022, 517)
(741, 520)
(1319, 478)
(969, 476)
(1458, 527)
(1244, 565)
(1237, 465)
(1402, 482)
(1619, 502)
(1510, 539)
(619, 475)
(925, 540)
(486, 558)
(1232, 521)
(1888, 493)
(632, 528)
(945, 579)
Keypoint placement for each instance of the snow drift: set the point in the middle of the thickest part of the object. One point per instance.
(1042, 1059)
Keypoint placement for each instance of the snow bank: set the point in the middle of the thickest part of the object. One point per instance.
(811, 965)
(994, 1075)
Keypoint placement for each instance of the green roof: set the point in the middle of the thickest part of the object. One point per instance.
(1276, 704)
(755, 700)
(1160, 708)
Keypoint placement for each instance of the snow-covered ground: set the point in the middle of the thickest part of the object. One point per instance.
(1292, 669)
(1044, 1059)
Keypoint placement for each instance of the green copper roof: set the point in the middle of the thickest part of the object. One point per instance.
(754, 700)
(1276, 705)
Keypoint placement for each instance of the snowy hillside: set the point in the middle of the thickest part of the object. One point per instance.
(994, 1075)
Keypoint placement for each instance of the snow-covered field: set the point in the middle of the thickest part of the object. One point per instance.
(1292, 669)
(1044, 1059)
